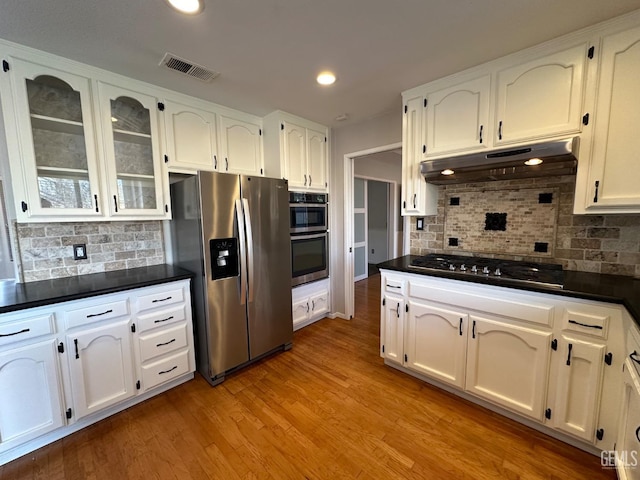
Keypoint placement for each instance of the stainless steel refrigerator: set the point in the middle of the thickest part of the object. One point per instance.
(232, 231)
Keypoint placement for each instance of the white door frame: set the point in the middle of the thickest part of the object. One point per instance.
(365, 211)
(348, 220)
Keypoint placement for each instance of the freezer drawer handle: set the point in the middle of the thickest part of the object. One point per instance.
(634, 356)
(24, 330)
(99, 314)
(166, 343)
(164, 319)
(167, 371)
(161, 299)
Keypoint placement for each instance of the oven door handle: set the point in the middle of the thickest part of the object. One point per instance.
(304, 236)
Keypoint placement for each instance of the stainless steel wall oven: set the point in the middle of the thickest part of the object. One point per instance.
(309, 237)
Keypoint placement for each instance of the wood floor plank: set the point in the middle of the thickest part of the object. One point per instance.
(327, 409)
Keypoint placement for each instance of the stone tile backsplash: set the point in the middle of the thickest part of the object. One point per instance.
(46, 250)
(591, 243)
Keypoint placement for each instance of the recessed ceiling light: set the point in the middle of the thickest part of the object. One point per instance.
(190, 7)
(533, 161)
(326, 78)
(447, 171)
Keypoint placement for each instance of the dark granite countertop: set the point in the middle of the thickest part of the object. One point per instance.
(18, 296)
(591, 286)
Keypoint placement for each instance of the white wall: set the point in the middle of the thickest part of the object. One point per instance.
(376, 132)
(381, 166)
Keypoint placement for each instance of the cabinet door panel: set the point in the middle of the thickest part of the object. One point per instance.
(295, 155)
(436, 341)
(393, 327)
(457, 118)
(301, 311)
(578, 394)
(616, 141)
(508, 365)
(628, 444)
(101, 365)
(542, 97)
(317, 159)
(132, 151)
(241, 147)
(57, 152)
(411, 154)
(191, 137)
(319, 303)
(30, 403)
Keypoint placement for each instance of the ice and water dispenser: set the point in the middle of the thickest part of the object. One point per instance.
(224, 257)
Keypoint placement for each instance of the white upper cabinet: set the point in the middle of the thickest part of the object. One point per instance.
(612, 183)
(135, 181)
(52, 152)
(457, 118)
(191, 138)
(240, 147)
(317, 159)
(296, 149)
(541, 97)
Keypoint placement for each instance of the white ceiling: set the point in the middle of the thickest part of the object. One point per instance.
(269, 51)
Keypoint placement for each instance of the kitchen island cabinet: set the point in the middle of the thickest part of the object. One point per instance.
(508, 349)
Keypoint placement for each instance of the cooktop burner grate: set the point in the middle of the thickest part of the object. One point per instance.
(548, 274)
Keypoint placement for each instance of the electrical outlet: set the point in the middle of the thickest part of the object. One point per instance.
(80, 251)
(373, 250)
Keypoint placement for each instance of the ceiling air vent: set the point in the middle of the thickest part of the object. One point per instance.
(186, 67)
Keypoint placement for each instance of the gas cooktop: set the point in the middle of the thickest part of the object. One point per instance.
(548, 274)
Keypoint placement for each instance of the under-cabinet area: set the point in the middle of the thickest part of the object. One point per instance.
(550, 361)
(67, 365)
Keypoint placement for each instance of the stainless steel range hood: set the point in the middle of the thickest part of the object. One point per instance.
(558, 157)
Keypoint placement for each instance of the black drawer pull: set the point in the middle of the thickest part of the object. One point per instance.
(599, 327)
(461, 327)
(634, 356)
(569, 355)
(164, 319)
(99, 314)
(161, 300)
(166, 343)
(473, 330)
(167, 371)
(393, 286)
(24, 330)
(638, 433)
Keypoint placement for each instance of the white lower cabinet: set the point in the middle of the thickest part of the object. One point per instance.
(30, 393)
(310, 302)
(69, 365)
(101, 366)
(508, 365)
(579, 366)
(436, 342)
(627, 454)
(552, 361)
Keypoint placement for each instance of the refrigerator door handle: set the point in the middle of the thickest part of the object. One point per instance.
(247, 215)
(243, 251)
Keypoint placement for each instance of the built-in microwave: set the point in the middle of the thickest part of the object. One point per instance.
(307, 212)
(309, 257)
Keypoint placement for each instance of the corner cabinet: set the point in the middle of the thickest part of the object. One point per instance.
(553, 361)
(609, 187)
(135, 183)
(297, 149)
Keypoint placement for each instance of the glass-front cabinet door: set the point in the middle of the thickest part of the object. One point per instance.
(57, 143)
(132, 152)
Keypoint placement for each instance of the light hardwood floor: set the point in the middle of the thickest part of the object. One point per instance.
(327, 409)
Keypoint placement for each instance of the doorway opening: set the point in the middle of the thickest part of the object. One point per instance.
(373, 227)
